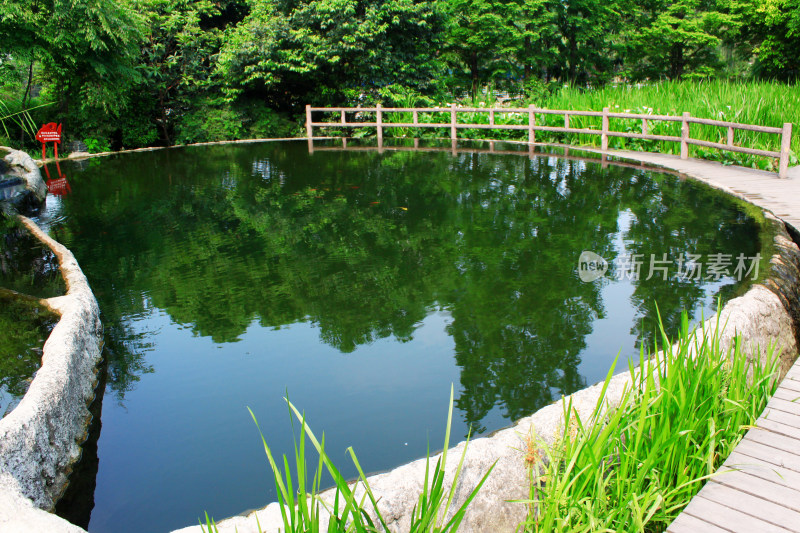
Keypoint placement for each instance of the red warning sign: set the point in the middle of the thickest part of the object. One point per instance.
(50, 132)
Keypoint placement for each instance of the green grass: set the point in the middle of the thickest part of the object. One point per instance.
(303, 511)
(759, 103)
(14, 119)
(635, 466)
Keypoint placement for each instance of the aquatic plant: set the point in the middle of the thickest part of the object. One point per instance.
(748, 103)
(634, 466)
(303, 508)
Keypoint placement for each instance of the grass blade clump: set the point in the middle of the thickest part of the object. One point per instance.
(434, 502)
(635, 466)
(302, 508)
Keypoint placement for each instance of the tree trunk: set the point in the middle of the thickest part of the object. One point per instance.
(28, 85)
(474, 72)
(526, 75)
(676, 61)
(25, 102)
(163, 121)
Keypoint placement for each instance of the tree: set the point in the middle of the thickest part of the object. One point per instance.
(176, 61)
(538, 33)
(483, 39)
(775, 29)
(586, 30)
(678, 39)
(87, 50)
(295, 52)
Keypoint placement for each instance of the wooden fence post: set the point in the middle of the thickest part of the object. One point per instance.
(730, 135)
(566, 120)
(308, 122)
(379, 120)
(452, 122)
(685, 135)
(531, 124)
(604, 134)
(415, 113)
(644, 126)
(786, 142)
(344, 119)
(491, 117)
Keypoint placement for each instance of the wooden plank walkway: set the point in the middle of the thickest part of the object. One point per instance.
(758, 488)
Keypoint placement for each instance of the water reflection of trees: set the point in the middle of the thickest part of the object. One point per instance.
(28, 271)
(26, 265)
(364, 245)
(24, 327)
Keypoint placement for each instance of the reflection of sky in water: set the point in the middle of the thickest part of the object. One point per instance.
(52, 214)
(612, 334)
(256, 372)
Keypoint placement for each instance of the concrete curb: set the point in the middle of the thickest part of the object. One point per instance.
(40, 439)
(767, 314)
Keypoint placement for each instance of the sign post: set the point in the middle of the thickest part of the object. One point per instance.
(50, 132)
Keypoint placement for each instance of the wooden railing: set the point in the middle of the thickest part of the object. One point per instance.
(531, 127)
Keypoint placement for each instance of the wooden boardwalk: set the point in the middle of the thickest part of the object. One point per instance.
(758, 488)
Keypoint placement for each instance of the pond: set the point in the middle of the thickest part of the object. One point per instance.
(363, 283)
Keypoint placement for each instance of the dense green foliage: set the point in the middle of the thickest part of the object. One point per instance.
(635, 466)
(142, 72)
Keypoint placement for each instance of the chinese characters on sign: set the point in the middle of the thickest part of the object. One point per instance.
(686, 266)
(50, 132)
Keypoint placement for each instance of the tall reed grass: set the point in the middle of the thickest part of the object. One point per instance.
(759, 103)
(635, 466)
(752, 102)
(14, 119)
(303, 510)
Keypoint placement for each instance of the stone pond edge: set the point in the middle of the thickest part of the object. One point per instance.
(39, 439)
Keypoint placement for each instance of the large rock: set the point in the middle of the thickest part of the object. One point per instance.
(30, 198)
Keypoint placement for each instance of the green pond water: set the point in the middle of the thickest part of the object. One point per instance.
(363, 283)
(24, 326)
(28, 268)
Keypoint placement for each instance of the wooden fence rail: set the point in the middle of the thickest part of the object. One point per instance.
(531, 127)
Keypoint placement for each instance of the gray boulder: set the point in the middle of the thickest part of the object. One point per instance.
(21, 183)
